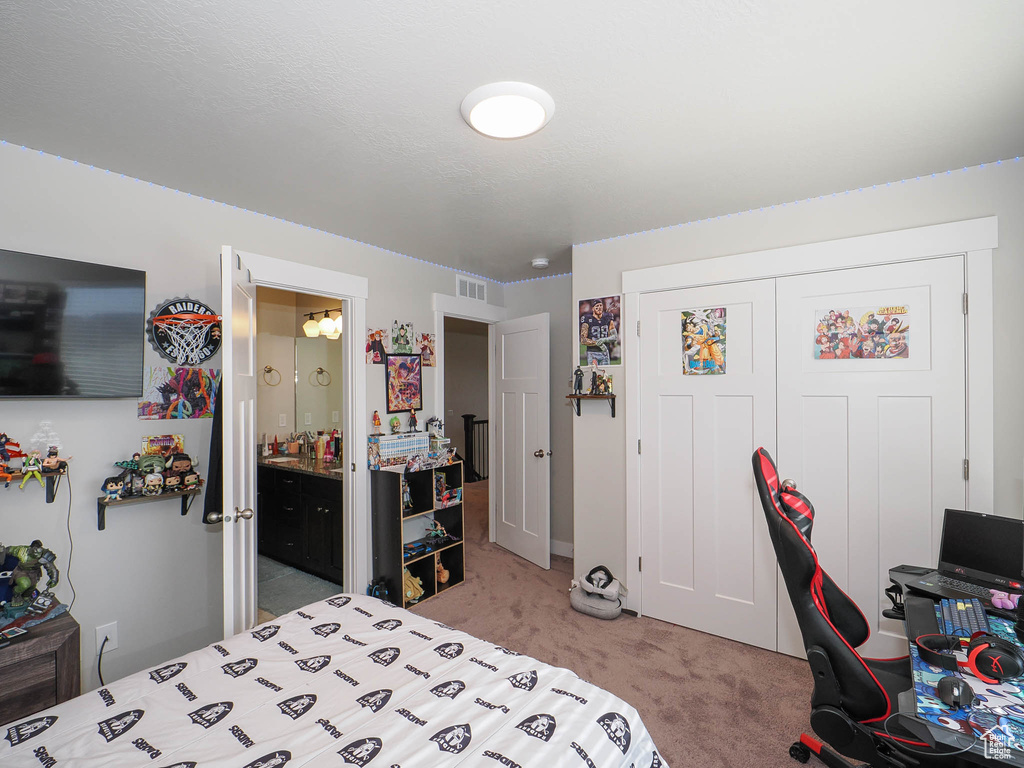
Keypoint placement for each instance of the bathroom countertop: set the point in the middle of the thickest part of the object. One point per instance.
(304, 465)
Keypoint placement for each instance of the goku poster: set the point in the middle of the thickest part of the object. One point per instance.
(704, 341)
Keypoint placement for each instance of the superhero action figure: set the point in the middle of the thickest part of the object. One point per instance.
(31, 561)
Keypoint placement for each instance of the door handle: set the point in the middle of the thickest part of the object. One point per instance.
(244, 514)
(540, 454)
(217, 517)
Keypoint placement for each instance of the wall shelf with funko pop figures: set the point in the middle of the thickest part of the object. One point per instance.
(187, 497)
(576, 401)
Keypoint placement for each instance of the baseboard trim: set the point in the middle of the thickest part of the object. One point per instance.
(561, 548)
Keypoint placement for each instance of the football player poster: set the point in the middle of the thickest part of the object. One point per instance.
(600, 323)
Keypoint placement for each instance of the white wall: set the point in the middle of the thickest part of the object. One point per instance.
(275, 346)
(599, 531)
(554, 296)
(154, 572)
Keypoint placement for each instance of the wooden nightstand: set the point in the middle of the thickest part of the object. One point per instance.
(41, 669)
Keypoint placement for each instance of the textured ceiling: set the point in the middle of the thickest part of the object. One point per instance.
(344, 115)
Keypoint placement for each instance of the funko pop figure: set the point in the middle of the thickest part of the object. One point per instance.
(112, 488)
(154, 484)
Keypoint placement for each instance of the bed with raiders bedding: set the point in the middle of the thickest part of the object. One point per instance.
(350, 680)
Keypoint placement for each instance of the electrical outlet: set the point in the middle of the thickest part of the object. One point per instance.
(282, 420)
(108, 631)
(308, 419)
(334, 417)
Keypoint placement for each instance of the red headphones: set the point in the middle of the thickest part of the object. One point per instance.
(991, 659)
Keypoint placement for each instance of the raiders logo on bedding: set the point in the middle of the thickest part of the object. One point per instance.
(388, 624)
(325, 629)
(655, 760)
(454, 739)
(28, 729)
(386, 656)
(376, 700)
(273, 760)
(524, 680)
(212, 714)
(240, 667)
(189, 764)
(297, 706)
(339, 602)
(313, 663)
(617, 728)
(119, 724)
(361, 752)
(540, 726)
(266, 632)
(506, 651)
(163, 674)
(448, 690)
(449, 650)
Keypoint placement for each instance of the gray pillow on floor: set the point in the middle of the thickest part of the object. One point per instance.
(594, 605)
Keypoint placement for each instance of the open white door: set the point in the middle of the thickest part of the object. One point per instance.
(238, 404)
(522, 439)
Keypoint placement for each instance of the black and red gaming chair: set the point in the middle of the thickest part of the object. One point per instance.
(853, 696)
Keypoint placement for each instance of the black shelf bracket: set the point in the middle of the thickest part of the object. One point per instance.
(187, 497)
(575, 400)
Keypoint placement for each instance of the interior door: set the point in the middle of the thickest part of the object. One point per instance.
(522, 478)
(877, 443)
(238, 404)
(707, 559)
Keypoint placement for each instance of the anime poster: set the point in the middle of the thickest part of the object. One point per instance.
(425, 349)
(179, 393)
(600, 321)
(402, 337)
(704, 341)
(862, 332)
(377, 341)
(163, 445)
(404, 383)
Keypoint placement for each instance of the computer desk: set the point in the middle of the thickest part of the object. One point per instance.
(995, 720)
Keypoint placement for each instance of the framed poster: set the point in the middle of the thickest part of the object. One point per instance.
(704, 340)
(404, 376)
(600, 320)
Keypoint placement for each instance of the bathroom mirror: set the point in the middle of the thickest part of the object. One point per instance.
(318, 399)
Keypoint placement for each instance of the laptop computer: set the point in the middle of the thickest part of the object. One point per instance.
(978, 553)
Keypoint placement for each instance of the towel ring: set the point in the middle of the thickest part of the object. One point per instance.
(268, 369)
(320, 373)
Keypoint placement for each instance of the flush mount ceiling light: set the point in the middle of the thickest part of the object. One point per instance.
(507, 110)
(541, 262)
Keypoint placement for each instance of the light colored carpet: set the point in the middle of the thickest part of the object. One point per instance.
(706, 701)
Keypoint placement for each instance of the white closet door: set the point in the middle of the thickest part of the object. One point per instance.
(877, 445)
(707, 560)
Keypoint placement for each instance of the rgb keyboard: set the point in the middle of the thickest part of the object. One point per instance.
(964, 617)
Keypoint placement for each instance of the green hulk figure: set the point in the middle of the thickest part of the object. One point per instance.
(33, 559)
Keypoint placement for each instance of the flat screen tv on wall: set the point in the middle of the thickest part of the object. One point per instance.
(70, 328)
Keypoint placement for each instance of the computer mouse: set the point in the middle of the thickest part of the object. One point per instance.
(955, 692)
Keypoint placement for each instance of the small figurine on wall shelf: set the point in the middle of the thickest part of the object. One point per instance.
(5, 474)
(396, 425)
(113, 488)
(376, 424)
(154, 484)
(190, 481)
(577, 381)
(594, 370)
(172, 482)
(412, 420)
(32, 469)
(53, 464)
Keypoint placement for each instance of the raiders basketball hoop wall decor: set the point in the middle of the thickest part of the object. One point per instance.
(184, 331)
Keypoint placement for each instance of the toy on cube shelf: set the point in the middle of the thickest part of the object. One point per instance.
(406, 496)
(376, 424)
(113, 488)
(32, 469)
(443, 574)
(412, 586)
(396, 425)
(412, 420)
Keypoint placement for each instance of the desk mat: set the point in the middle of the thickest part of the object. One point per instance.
(997, 714)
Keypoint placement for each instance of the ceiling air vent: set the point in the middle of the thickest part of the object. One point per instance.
(469, 288)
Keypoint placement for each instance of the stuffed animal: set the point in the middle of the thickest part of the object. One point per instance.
(443, 573)
(412, 586)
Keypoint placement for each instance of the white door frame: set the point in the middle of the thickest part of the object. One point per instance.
(353, 290)
(478, 311)
(974, 237)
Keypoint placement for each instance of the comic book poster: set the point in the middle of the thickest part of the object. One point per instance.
(163, 445)
(401, 338)
(404, 383)
(179, 393)
(377, 342)
(704, 341)
(425, 349)
(862, 332)
(600, 322)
